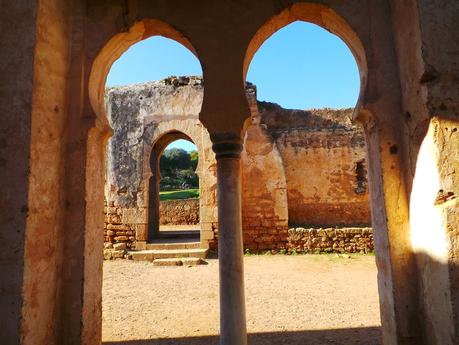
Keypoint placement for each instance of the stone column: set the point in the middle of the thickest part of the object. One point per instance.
(232, 301)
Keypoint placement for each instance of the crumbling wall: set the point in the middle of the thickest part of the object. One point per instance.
(264, 189)
(323, 157)
(298, 167)
(140, 116)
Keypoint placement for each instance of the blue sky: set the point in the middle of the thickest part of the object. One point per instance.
(301, 66)
(182, 144)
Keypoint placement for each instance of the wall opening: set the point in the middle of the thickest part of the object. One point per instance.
(307, 82)
(153, 97)
(174, 190)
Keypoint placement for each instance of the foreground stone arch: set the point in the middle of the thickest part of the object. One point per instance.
(52, 181)
(372, 114)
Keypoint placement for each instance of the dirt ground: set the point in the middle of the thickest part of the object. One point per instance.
(304, 299)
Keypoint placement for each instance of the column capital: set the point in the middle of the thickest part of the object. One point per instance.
(226, 145)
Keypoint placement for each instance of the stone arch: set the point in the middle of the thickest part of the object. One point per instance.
(324, 17)
(115, 47)
(328, 19)
(102, 53)
(157, 137)
(377, 109)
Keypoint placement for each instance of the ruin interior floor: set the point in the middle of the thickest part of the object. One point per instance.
(302, 299)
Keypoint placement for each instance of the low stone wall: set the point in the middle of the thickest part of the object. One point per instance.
(330, 240)
(179, 212)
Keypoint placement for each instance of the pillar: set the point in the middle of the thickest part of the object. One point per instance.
(230, 251)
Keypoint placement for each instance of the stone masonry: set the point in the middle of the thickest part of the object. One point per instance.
(179, 212)
(298, 167)
(330, 240)
(54, 62)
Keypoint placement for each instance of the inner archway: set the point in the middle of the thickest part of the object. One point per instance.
(174, 207)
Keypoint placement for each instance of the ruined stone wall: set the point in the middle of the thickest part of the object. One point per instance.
(122, 224)
(298, 167)
(179, 212)
(141, 116)
(323, 157)
(264, 189)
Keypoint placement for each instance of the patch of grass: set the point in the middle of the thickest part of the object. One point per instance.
(179, 194)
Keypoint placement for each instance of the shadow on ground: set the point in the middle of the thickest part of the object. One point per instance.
(347, 336)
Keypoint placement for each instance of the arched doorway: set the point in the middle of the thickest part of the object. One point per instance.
(174, 207)
(322, 152)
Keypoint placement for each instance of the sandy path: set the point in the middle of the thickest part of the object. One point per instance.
(310, 299)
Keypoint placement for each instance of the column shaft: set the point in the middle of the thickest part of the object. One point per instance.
(230, 251)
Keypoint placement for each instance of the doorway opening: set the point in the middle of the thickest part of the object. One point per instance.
(174, 205)
(315, 184)
(152, 101)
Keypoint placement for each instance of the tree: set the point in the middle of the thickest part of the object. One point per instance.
(177, 168)
(194, 159)
(173, 159)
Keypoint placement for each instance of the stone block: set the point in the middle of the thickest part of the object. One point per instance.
(117, 254)
(141, 245)
(107, 254)
(121, 238)
(111, 210)
(113, 219)
(206, 226)
(141, 231)
(117, 227)
(207, 235)
(119, 246)
(134, 216)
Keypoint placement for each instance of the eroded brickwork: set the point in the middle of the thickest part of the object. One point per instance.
(119, 228)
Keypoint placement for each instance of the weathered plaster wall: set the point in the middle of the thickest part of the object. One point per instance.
(34, 60)
(49, 110)
(428, 56)
(16, 89)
